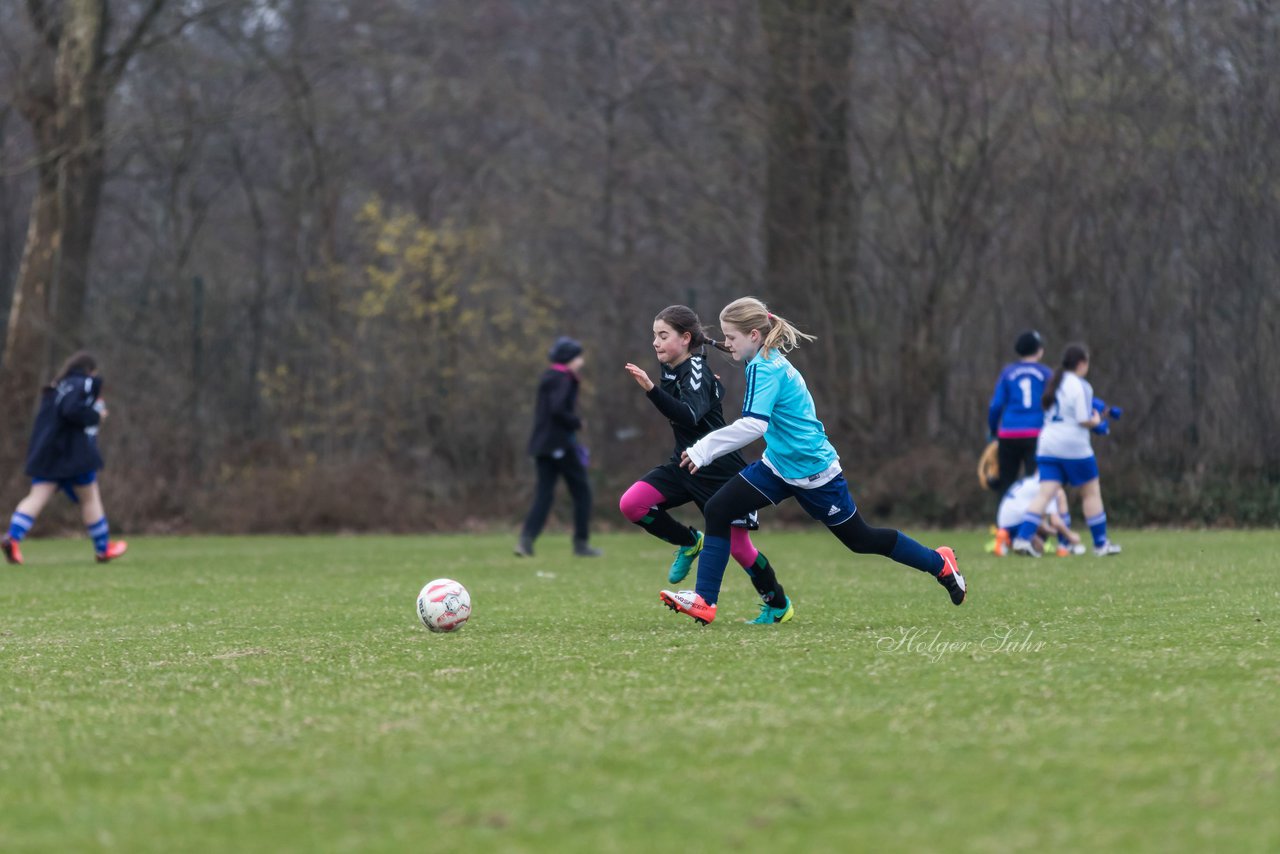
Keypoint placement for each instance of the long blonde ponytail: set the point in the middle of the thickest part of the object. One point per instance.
(748, 313)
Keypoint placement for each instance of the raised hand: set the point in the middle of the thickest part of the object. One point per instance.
(638, 374)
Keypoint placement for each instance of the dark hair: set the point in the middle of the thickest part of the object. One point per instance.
(1028, 344)
(683, 319)
(80, 362)
(1071, 359)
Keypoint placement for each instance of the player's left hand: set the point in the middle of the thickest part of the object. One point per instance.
(687, 463)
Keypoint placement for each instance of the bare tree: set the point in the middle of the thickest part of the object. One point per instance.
(390, 207)
(63, 90)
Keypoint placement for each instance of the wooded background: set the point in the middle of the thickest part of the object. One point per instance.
(320, 248)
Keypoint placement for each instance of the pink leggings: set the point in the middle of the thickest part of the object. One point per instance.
(637, 501)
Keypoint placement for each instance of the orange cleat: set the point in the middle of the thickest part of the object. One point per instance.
(115, 549)
(689, 602)
(12, 553)
(950, 576)
(1002, 542)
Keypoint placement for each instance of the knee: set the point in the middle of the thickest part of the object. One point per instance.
(719, 512)
(861, 538)
(634, 503)
(857, 542)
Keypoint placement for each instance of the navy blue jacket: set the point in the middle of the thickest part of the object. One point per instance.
(64, 440)
(555, 416)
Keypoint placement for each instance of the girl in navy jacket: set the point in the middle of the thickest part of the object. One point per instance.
(63, 454)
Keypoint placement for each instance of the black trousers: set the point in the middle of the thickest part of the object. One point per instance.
(1013, 455)
(575, 477)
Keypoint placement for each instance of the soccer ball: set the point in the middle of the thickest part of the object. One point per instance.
(444, 605)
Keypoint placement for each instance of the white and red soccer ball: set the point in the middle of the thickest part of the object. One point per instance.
(444, 605)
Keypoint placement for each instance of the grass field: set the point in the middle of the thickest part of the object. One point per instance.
(276, 694)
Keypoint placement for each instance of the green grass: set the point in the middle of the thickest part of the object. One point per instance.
(277, 694)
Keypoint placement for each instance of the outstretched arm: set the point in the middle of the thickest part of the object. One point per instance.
(726, 440)
(678, 411)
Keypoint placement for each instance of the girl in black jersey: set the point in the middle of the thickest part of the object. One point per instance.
(689, 394)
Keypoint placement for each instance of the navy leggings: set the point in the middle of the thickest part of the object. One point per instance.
(738, 497)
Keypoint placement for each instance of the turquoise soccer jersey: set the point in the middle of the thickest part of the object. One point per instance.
(796, 443)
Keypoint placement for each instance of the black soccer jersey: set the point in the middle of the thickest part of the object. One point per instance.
(689, 395)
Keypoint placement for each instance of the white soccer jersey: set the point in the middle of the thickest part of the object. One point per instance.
(1013, 507)
(1063, 436)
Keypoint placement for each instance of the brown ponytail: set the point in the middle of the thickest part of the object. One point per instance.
(1071, 359)
(683, 319)
(80, 362)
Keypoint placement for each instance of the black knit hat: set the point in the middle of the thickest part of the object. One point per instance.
(1028, 343)
(565, 350)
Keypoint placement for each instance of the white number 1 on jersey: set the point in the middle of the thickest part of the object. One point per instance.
(1025, 385)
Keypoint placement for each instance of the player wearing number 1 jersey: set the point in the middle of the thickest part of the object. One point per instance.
(1015, 416)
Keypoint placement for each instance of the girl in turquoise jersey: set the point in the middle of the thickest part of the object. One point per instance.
(798, 463)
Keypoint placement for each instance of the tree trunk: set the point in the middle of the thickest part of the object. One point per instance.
(48, 299)
(63, 95)
(810, 205)
(30, 320)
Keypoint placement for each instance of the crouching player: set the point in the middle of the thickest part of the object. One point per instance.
(1053, 523)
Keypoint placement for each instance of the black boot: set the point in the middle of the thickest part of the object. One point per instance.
(524, 548)
(582, 549)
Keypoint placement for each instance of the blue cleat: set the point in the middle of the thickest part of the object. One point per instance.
(683, 561)
(770, 615)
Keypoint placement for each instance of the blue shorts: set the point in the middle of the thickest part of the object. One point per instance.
(1070, 472)
(69, 484)
(830, 503)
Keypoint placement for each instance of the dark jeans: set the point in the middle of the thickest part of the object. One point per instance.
(575, 477)
(1012, 455)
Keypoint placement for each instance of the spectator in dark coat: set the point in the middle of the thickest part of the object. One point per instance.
(555, 450)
